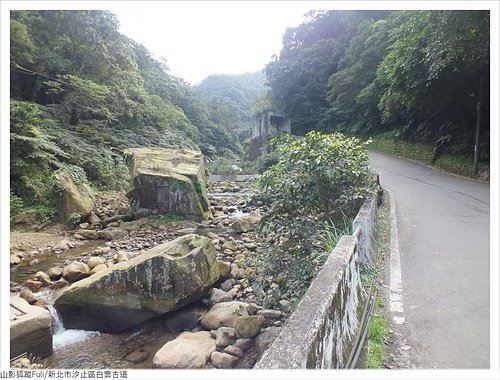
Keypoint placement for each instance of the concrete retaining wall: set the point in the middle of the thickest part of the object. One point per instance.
(323, 330)
(365, 224)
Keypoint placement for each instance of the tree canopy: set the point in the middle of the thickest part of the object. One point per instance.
(415, 74)
(81, 91)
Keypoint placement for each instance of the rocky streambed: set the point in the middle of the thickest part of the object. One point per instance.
(228, 327)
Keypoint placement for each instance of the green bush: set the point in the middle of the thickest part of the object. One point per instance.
(316, 179)
(16, 204)
(74, 219)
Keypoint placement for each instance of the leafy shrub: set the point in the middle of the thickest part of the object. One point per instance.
(316, 179)
(74, 219)
(265, 161)
(16, 204)
(46, 213)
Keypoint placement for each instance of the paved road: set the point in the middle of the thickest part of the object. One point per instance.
(444, 241)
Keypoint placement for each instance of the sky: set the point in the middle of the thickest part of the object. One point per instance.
(199, 39)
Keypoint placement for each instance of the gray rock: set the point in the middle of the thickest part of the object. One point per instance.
(93, 218)
(223, 360)
(266, 338)
(76, 197)
(235, 271)
(224, 314)
(270, 313)
(224, 336)
(76, 271)
(224, 268)
(285, 306)
(163, 279)
(88, 234)
(234, 351)
(112, 233)
(30, 329)
(188, 350)
(92, 262)
(253, 308)
(229, 245)
(244, 343)
(228, 284)
(43, 277)
(171, 181)
(248, 326)
(55, 273)
(218, 295)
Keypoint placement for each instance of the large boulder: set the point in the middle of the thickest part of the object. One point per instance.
(77, 197)
(172, 181)
(30, 329)
(188, 350)
(158, 281)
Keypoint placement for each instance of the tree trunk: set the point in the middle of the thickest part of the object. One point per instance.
(75, 116)
(478, 126)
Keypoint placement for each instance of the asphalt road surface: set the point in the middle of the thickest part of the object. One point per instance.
(443, 225)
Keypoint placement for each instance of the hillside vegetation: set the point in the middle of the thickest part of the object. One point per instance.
(415, 76)
(81, 91)
(234, 96)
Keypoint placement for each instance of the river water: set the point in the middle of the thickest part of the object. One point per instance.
(79, 349)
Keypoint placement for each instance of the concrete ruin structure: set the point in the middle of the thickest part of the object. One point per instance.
(270, 123)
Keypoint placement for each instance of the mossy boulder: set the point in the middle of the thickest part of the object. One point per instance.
(158, 281)
(172, 181)
(77, 197)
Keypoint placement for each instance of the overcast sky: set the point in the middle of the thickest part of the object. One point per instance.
(201, 39)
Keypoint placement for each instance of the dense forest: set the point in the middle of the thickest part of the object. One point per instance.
(81, 91)
(418, 76)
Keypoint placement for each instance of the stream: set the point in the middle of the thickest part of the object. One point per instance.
(79, 349)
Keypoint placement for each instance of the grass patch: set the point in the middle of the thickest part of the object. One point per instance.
(422, 152)
(378, 327)
(331, 234)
